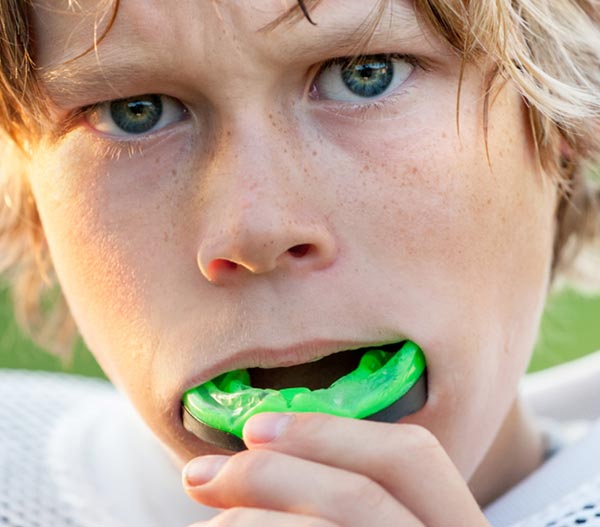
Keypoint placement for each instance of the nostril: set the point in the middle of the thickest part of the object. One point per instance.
(220, 264)
(299, 250)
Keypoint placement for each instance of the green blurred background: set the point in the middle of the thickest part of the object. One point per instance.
(570, 329)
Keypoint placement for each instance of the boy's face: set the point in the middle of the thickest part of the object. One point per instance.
(281, 216)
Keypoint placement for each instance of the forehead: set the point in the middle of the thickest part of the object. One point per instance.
(67, 28)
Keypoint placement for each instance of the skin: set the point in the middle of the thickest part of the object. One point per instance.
(174, 254)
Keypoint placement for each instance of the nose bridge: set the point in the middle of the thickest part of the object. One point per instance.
(265, 214)
(257, 174)
(263, 163)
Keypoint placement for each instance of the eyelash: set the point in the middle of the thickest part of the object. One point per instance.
(114, 148)
(363, 110)
(109, 147)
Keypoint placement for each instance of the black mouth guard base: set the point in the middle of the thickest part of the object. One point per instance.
(412, 401)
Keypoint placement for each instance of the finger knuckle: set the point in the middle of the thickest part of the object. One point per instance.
(251, 463)
(419, 437)
(407, 444)
(249, 460)
(236, 516)
(317, 522)
(360, 491)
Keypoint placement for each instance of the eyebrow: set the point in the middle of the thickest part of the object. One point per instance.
(78, 79)
(348, 37)
(301, 10)
(88, 74)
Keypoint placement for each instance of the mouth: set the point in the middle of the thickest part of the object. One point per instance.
(382, 383)
(313, 375)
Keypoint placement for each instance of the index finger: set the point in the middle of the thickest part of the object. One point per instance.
(405, 459)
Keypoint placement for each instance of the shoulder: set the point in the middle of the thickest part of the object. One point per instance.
(565, 392)
(33, 401)
(73, 452)
(33, 487)
(17, 381)
(563, 492)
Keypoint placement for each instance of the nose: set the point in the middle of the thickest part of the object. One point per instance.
(252, 249)
(266, 218)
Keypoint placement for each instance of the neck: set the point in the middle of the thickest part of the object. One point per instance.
(516, 452)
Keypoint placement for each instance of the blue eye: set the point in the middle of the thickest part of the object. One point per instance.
(352, 79)
(138, 115)
(135, 115)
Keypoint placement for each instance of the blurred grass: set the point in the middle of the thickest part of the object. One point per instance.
(16, 351)
(570, 329)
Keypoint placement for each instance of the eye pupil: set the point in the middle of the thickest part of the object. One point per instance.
(137, 115)
(139, 107)
(368, 79)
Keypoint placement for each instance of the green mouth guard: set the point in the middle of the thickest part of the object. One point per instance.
(385, 386)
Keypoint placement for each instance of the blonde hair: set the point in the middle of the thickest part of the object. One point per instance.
(549, 49)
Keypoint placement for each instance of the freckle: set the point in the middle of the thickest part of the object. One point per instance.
(173, 172)
(314, 153)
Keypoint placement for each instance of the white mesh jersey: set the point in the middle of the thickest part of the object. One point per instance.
(73, 453)
(563, 492)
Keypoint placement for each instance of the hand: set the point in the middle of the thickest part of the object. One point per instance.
(322, 471)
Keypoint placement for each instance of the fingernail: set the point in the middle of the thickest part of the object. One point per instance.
(202, 469)
(266, 427)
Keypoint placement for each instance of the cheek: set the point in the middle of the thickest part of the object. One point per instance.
(105, 222)
(420, 191)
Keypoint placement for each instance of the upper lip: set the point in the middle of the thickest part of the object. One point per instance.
(265, 357)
